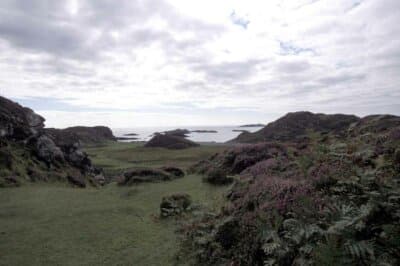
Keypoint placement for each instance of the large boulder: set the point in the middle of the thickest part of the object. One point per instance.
(175, 204)
(47, 150)
(170, 142)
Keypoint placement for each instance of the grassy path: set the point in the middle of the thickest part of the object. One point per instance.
(53, 224)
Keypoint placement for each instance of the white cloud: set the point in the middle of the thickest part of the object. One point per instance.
(156, 57)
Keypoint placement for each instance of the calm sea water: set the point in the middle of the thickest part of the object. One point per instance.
(224, 133)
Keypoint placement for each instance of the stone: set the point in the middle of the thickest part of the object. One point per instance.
(47, 150)
(100, 179)
(175, 204)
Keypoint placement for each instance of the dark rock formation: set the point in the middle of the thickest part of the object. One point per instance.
(175, 204)
(143, 175)
(296, 125)
(17, 122)
(170, 142)
(84, 135)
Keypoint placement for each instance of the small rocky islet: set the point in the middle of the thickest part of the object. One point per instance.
(306, 189)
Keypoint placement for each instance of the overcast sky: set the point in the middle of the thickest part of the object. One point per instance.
(130, 63)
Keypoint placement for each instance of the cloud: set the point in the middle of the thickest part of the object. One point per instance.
(207, 58)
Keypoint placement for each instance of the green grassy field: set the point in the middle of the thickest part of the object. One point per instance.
(116, 156)
(54, 224)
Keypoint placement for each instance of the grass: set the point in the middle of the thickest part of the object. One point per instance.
(53, 224)
(114, 157)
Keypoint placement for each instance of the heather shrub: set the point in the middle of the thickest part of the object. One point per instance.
(217, 176)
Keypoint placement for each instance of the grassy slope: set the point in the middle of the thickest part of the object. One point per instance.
(58, 225)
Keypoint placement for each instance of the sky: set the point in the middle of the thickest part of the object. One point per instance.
(137, 63)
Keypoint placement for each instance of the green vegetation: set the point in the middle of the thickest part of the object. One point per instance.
(55, 224)
(116, 156)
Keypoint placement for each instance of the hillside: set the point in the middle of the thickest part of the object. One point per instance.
(297, 125)
(324, 199)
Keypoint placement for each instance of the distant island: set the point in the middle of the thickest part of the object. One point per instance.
(126, 138)
(253, 125)
(131, 134)
(239, 130)
(203, 131)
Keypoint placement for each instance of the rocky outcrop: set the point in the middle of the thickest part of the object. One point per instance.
(28, 151)
(170, 142)
(83, 135)
(297, 125)
(17, 122)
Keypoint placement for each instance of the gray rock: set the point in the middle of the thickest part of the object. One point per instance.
(47, 150)
(175, 204)
(99, 179)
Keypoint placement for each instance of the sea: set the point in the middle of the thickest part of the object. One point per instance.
(222, 134)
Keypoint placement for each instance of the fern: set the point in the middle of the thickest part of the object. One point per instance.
(361, 250)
